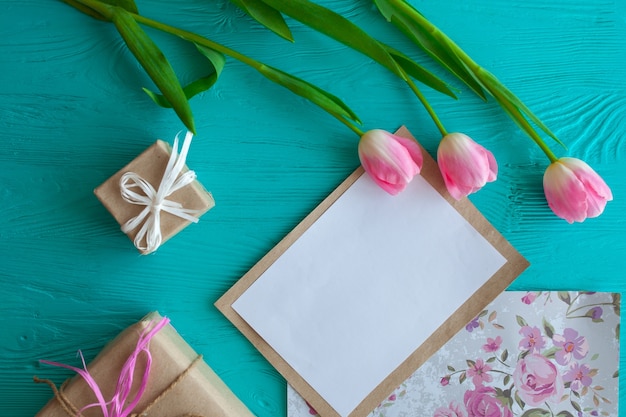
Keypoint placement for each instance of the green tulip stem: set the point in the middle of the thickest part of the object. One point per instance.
(514, 112)
(195, 38)
(200, 40)
(107, 11)
(427, 106)
(481, 75)
(351, 126)
(504, 102)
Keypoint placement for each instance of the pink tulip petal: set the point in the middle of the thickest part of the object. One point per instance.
(595, 203)
(493, 167)
(598, 193)
(413, 149)
(565, 194)
(465, 165)
(400, 160)
(574, 190)
(390, 160)
(454, 191)
(384, 176)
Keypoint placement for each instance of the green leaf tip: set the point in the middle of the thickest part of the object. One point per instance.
(154, 63)
(338, 28)
(450, 56)
(266, 16)
(200, 85)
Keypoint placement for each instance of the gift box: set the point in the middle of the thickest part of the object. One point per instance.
(180, 207)
(180, 383)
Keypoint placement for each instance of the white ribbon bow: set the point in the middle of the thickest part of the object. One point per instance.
(155, 201)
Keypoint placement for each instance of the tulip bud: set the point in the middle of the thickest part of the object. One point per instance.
(575, 191)
(465, 165)
(392, 161)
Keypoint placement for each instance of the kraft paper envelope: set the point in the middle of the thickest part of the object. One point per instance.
(321, 306)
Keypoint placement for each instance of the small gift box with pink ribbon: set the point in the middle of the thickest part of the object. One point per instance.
(147, 370)
(155, 196)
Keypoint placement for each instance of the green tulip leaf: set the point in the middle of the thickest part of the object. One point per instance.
(515, 114)
(217, 59)
(85, 9)
(420, 73)
(342, 30)
(196, 87)
(96, 13)
(322, 98)
(202, 84)
(417, 28)
(520, 120)
(154, 63)
(434, 42)
(128, 5)
(338, 28)
(493, 82)
(267, 16)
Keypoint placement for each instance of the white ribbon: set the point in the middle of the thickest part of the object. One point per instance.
(155, 201)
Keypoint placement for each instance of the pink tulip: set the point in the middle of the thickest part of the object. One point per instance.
(575, 191)
(465, 165)
(392, 161)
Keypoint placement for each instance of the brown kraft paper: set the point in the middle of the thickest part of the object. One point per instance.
(198, 392)
(150, 165)
(514, 266)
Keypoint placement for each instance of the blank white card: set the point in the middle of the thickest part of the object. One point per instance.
(366, 285)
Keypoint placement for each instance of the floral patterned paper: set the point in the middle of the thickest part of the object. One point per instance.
(529, 354)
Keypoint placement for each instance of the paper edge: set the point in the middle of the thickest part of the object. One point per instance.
(515, 264)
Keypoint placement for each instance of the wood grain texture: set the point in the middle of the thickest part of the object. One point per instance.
(72, 113)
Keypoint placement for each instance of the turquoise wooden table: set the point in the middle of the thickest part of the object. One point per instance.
(72, 113)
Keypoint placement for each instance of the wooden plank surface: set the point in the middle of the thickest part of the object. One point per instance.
(72, 113)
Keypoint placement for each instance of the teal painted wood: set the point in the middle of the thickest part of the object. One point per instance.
(72, 113)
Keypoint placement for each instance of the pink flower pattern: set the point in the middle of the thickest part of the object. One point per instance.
(472, 325)
(479, 372)
(532, 339)
(483, 402)
(546, 371)
(546, 375)
(529, 298)
(537, 380)
(492, 345)
(452, 410)
(578, 376)
(571, 345)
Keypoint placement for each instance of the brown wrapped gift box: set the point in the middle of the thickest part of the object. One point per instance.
(150, 165)
(200, 391)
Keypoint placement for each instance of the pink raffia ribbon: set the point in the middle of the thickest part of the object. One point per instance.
(155, 200)
(117, 406)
